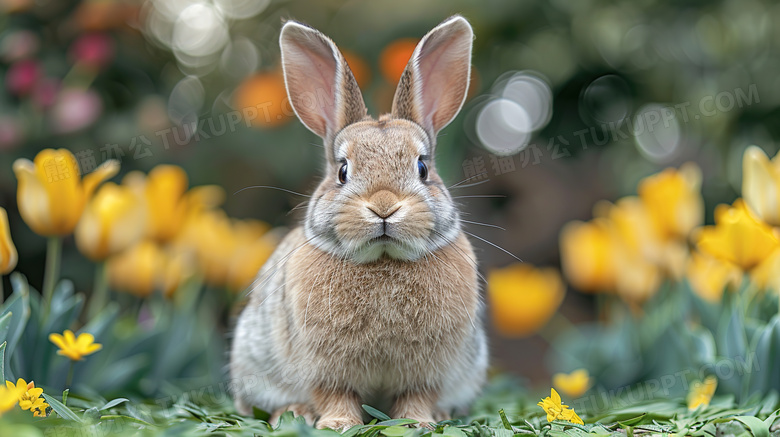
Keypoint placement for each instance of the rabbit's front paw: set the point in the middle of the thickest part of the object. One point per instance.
(337, 423)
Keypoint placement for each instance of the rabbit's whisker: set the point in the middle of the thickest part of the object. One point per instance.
(483, 224)
(470, 185)
(484, 173)
(494, 245)
(479, 196)
(273, 188)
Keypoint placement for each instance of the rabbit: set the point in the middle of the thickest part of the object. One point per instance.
(375, 298)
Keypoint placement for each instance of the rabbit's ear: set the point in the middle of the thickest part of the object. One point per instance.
(434, 84)
(320, 85)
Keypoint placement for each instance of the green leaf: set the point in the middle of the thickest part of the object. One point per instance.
(5, 323)
(394, 431)
(19, 307)
(375, 413)
(63, 411)
(755, 425)
(2, 366)
(259, 414)
(504, 420)
(395, 422)
(452, 431)
(113, 403)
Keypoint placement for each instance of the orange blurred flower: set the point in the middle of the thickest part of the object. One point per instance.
(359, 68)
(394, 57)
(523, 298)
(266, 93)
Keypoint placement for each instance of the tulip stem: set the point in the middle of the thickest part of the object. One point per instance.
(99, 291)
(52, 271)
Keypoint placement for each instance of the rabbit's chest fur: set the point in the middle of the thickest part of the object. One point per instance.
(385, 322)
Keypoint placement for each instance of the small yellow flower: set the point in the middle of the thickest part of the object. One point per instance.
(556, 410)
(52, 194)
(709, 276)
(9, 397)
(674, 201)
(701, 392)
(573, 384)
(113, 220)
(8, 255)
(738, 237)
(30, 397)
(523, 298)
(761, 184)
(588, 255)
(75, 348)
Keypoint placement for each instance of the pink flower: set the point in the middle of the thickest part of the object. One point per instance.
(94, 50)
(45, 92)
(75, 109)
(22, 76)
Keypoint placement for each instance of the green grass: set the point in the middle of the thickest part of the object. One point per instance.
(505, 410)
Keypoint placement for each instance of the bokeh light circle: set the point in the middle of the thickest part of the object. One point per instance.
(657, 132)
(503, 126)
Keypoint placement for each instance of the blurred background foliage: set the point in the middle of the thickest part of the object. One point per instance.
(570, 103)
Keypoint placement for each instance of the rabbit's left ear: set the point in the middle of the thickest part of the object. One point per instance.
(434, 84)
(322, 90)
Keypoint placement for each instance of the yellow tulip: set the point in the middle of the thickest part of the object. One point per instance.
(8, 255)
(587, 255)
(761, 184)
(630, 225)
(168, 200)
(523, 298)
(701, 392)
(146, 267)
(573, 384)
(136, 270)
(52, 194)
(216, 240)
(766, 276)
(738, 237)
(113, 221)
(673, 200)
(709, 276)
(178, 268)
(247, 261)
(637, 280)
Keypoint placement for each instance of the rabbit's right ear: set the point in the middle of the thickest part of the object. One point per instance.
(322, 90)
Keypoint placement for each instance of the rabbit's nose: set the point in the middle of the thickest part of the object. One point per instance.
(383, 203)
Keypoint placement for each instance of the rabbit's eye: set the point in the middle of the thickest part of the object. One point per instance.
(422, 169)
(343, 174)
